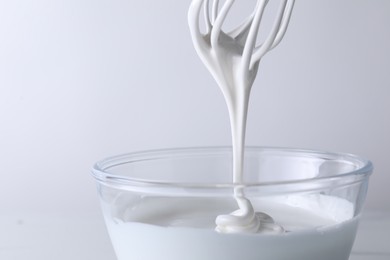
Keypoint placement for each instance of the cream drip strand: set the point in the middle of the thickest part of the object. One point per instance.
(233, 58)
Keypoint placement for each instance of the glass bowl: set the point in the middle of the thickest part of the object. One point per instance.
(162, 204)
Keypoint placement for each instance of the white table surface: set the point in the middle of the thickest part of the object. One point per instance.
(35, 237)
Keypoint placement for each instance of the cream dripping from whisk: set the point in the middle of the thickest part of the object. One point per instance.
(233, 59)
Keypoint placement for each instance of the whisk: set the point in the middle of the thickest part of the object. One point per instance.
(233, 57)
(235, 51)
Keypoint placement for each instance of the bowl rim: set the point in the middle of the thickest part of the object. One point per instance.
(100, 173)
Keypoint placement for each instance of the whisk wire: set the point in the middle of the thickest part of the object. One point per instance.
(217, 27)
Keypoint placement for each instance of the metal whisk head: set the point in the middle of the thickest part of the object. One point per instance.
(243, 36)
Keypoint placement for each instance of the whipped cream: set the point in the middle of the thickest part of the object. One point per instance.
(317, 227)
(233, 60)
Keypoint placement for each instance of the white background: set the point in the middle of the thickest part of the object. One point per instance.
(82, 80)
